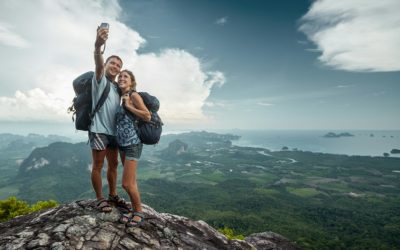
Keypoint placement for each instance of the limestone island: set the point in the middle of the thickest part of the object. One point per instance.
(334, 135)
(395, 151)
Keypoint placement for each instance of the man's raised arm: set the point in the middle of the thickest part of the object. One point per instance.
(102, 35)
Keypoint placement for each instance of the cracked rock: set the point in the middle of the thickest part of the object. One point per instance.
(78, 225)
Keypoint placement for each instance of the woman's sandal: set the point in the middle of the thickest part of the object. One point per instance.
(118, 201)
(125, 217)
(135, 223)
(103, 206)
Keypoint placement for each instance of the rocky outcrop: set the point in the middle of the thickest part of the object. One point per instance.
(175, 148)
(79, 225)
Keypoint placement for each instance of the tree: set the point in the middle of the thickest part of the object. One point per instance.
(12, 207)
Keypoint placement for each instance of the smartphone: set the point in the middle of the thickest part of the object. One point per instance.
(104, 25)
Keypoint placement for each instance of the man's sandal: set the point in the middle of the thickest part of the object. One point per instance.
(118, 201)
(103, 206)
(136, 223)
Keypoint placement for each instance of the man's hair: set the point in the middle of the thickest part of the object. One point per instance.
(114, 56)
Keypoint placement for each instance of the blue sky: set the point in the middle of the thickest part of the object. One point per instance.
(218, 64)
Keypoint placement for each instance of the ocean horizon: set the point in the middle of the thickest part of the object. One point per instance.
(362, 143)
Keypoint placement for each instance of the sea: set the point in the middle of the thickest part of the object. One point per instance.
(364, 142)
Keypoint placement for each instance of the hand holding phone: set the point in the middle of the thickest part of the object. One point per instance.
(102, 36)
(104, 26)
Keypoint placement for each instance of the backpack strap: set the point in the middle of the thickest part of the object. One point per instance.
(101, 101)
(128, 113)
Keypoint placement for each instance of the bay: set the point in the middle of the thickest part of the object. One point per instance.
(364, 142)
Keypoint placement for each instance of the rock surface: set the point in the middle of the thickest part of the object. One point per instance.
(79, 225)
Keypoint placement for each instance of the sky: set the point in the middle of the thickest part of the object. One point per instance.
(323, 64)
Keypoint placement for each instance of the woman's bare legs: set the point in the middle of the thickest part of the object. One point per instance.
(129, 183)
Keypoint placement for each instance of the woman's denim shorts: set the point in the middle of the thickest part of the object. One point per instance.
(132, 152)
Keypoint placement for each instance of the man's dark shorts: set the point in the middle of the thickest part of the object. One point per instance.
(102, 141)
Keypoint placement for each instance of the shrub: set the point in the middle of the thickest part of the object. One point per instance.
(12, 207)
(230, 234)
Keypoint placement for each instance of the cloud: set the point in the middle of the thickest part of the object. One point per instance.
(222, 21)
(302, 42)
(220, 104)
(265, 104)
(51, 42)
(180, 80)
(34, 105)
(376, 94)
(357, 35)
(9, 38)
(342, 86)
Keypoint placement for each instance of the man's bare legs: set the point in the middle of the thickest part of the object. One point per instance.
(112, 161)
(97, 165)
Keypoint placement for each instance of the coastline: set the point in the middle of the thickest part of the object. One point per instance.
(362, 144)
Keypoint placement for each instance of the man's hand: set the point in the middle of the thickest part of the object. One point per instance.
(102, 36)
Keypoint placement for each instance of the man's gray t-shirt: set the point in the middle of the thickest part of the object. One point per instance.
(104, 121)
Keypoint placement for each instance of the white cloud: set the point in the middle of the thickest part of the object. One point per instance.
(52, 43)
(34, 105)
(222, 21)
(180, 80)
(357, 35)
(265, 104)
(343, 86)
(9, 38)
(221, 104)
(38, 163)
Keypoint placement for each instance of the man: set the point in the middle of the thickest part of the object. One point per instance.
(102, 131)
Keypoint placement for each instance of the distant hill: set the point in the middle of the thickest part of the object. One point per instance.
(60, 171)
(334, 135)
(35, 139)
(200, 139)
(13, 150)
(19, 144)
(175, 149)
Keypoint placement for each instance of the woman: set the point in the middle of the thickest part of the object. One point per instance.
(130, 146)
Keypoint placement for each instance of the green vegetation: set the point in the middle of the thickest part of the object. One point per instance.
(12, 207)
(230, 234)
(319, 201)
(303, 192)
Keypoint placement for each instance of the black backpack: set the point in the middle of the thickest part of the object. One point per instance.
(82, 103)
(148, 132)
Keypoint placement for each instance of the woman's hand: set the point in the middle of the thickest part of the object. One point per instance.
(127, 101)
